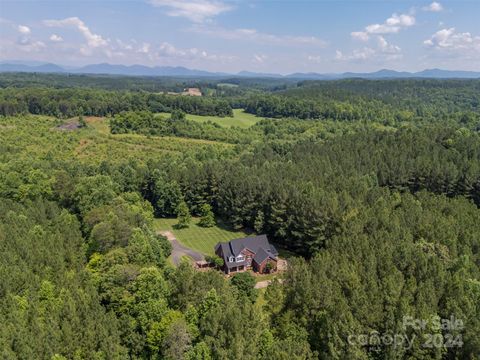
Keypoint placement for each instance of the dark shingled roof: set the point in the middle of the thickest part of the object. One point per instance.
(259, 245)
(261, 256)
(253, 243)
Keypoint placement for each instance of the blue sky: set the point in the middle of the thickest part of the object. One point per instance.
(265, 36)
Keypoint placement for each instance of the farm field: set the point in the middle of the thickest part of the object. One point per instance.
(240, 119)
(196, 237)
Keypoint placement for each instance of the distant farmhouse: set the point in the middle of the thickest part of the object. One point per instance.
(192, 92)
(247, 253)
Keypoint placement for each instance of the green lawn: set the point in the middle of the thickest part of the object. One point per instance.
(198, 238)
(240, 119)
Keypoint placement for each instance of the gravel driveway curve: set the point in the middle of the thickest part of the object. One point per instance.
(178, 250)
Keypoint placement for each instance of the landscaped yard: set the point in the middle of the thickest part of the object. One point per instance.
(240, 118)
(198, 238)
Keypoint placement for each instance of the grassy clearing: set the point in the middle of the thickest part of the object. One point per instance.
(96, 142)
(100, 124)
(198, 238)
(227, 85)
(240, 118)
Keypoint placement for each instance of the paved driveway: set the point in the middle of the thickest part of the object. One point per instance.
(178, 250)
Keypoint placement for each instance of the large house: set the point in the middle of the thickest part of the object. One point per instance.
(247, 253)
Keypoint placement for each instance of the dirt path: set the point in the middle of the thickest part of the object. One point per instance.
(265, 283)
(262, 284)
(178, 250)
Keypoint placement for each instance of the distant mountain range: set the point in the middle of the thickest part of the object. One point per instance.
(178, 71)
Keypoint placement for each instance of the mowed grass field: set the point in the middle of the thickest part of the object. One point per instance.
(240, 118)
(196, 237)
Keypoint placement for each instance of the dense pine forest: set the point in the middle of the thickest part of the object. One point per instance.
(370, 187)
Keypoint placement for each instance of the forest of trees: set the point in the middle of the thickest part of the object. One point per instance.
(382, 217)
(381, 100)
(66, 103)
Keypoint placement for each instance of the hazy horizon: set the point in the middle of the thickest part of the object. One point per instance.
(78, 68)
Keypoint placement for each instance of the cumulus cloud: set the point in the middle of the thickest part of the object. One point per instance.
(387, 48)
(452, 41)
(26, 44)
(382, 50)
(131, 50)
(360, 35)
(259, 37)
(378, 46)
(23, 29)
(314, 58)
(93, 40)
(357, 54)
(144, 48)
(194, 10)
(391, 26)
(161, 52)
(167, 50)
(433, 7)
(259, 58)
(94, 47)
(55, 38)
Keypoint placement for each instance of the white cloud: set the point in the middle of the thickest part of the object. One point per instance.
(360, 35)
(127, 50)
(28, 45)
(357, 54)
(144, 48)
(92, 47)
(259, 58)
(314, 58)
(93, 40)
(433, 7)
(167, 50)
(453, 41)
(402, 20)
(259, 37)
(123, 45)
(55, 38)
(23, 29)
(391, 26)
(379, 48)
(387, 48)
(381, 51)
(194, 10)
